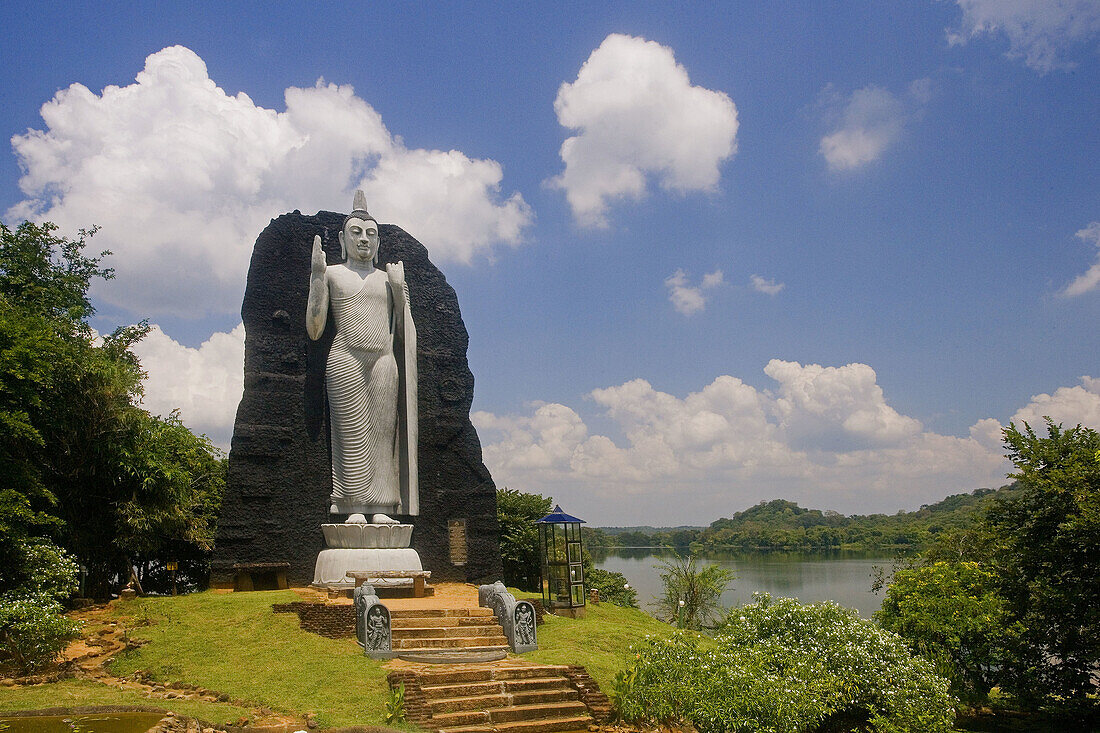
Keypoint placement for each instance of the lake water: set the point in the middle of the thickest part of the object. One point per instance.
(844, 577)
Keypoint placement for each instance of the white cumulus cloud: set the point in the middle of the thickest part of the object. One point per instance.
(768, 286)
(204, 383)
(1090, 278)
(1067, 406)
(1041, 32)
(182, 177)
(687, 298)
(824, 436)
(867, 123)
(637, 118)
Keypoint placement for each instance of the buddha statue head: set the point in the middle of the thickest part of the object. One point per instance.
(359, 234)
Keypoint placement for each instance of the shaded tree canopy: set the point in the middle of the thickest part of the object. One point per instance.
(519, 536)
(1044, 546)
(81, 463)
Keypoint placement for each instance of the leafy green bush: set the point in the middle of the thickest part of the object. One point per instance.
(951, 614)
(33, 630)
(692, 594)
(395, 705)
(613, 586)
(779, 665)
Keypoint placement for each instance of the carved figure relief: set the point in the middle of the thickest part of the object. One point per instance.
(524, 624)
(378, 629)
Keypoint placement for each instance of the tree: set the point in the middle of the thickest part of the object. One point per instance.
(81, 463)
(519, 536)
(692, 594)
(1044, 547)
(43, 307)
(951, 614)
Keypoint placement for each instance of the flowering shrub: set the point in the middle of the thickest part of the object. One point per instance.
(779, 665)
(33, 630)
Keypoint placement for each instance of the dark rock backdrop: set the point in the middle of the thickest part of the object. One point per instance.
(279, 474)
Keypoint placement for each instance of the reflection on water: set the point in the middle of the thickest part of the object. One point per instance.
(92, 723)
(844, 577)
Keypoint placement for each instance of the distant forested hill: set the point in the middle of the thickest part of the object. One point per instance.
(784, 525)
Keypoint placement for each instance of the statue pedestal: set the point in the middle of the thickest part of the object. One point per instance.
(361, 547)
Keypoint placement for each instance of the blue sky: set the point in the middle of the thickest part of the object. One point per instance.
(784, 252)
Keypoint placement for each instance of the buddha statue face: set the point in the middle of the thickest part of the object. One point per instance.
(359, 240)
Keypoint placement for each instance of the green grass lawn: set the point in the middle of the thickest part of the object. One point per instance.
(600, 641)
(79, 693)
(233, 643)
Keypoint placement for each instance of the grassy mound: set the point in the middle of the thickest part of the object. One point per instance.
(235, 644)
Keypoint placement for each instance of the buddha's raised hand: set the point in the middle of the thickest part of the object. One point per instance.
(318, 262)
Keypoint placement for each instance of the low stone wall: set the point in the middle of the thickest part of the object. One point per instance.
(331, 621)
(417, 710)
(599, 706)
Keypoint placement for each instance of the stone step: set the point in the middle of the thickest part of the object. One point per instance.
(455, 677)
(422, 621)
(549, 725)
(440, 612)
(519, 687)
(536, 683)
(459, 676)
(463, 689)
(417, 632)
(461, 717)
(439, 650)
(545, 696)
(538, 711)
(454, 642)
(470, 702)
(523, 673)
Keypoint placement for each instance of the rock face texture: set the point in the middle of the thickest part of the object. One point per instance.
(279, 472)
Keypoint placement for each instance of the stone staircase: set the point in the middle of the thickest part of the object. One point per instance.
(436, 630)
(510, 699)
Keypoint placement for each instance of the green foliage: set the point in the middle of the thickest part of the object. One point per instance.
(779, 665)
(699, 589)
(395, 705)
(80, 462)
(599, 641)
(951, 614)
(622, 695)
(613, 586)
(33, 630)
(519, 536)
(1044, 547)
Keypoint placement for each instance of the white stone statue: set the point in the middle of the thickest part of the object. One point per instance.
(370, 376)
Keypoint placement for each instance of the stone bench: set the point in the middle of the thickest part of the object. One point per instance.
(260, 576)
(419, 577)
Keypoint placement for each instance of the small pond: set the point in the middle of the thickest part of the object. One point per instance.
(131, 722)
